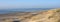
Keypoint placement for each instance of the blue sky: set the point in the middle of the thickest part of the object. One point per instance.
(6, 4)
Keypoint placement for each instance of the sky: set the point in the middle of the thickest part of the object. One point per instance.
(10, 4)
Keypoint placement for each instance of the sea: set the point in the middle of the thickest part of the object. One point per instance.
(22, 10)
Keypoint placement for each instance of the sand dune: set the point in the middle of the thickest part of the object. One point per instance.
(52, 15)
